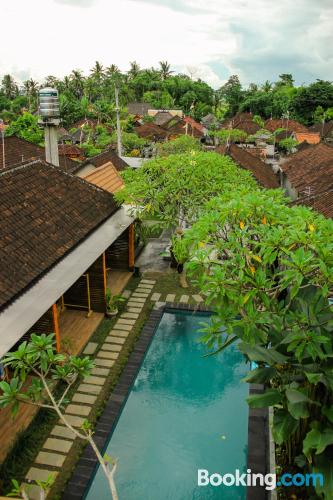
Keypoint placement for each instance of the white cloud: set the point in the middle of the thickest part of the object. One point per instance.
(256, 39)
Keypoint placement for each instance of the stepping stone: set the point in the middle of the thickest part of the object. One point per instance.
(112, 347)
(136, 300)
(150, 282)
(74, 420)
(40, 474)
(120, 326)
(134, 310)
(58, 445)
(197, 298)
(78, 410)
(91, 379)
(158, 305)
(184, 299)
(108, 355)
(32, 490)
(170, 297)
(62, 431)
(115, 340)
(100, 371)
(53, 459)
(117, 333)
(126, 293)
(89, 388)
(84, 398)
(104, 362)
(155, 297)
(130, 315)
(145, 286)
(138, 295)
(90, 348)
(125, 321)
(135, 307)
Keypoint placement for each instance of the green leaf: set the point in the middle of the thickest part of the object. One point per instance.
(260, 375)
(295, 396)
(324, 465)
(318, 441)
(314, 378)
(284, 425)
(259, 353)
(328, 412)
(268, 398)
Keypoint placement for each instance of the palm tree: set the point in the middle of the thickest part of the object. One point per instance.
(165, 71)
(97, 72)
(112, 70)
(267, 86)
(9, 87)
(134, 69)
(77, 80)
(51, 81)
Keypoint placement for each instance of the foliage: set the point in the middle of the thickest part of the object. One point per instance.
(176, 187)
(113, 301)
(129, 140)
(268, 270)
(182, 144)
(288, 144)
(225, 136)
(26, 127)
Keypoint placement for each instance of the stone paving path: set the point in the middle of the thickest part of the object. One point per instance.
(53, 454)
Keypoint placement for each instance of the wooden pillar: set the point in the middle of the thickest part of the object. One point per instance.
(56, 326)
(104, 271)
(131, 256)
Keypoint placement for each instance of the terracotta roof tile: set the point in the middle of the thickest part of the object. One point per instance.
(309, 137)
(151, 131)
(107, 156)
(262, 172)
(309, 168)
(106, 177)
(321, 202)
(294, 126)
(45, 213)
(19, 150)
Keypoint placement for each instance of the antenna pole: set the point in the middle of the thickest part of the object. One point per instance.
(119, 145)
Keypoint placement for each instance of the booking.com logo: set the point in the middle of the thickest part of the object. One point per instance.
(248, 478)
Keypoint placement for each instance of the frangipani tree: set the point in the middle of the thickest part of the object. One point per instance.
(39, 358)
(267, 270)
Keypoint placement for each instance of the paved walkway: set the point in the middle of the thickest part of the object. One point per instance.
(56, 447)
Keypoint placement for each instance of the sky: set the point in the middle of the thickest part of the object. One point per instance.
(210, 39)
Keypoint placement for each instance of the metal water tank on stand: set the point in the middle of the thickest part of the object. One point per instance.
(49, 114)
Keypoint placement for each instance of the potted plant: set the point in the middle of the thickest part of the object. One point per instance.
(112, 303)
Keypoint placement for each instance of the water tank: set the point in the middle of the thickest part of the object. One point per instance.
(48, 103)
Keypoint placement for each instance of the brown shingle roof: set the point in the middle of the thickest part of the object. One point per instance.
(162, 117)
(321, 202)
(138, 108)
(294, 126)
(262, 172)
(45, 213)
(309, 168)
(324, 129)
(19, 150)
(106, 177)
(107, 156)
(309, 137)
(151, 131)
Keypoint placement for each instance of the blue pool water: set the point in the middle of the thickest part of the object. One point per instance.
(184, 412)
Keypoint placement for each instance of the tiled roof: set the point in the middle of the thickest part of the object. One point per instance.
(321, 202)
(151, 131)
(324, 129)
(45, 213)
(194, 124)
(105, 177)
(262, 172)
(242, 121)
(162, 117)
(309, 137)
(107, 156)
(19, 150)
(138, 108)
(294, 126)
(70, 150)
(310, 168)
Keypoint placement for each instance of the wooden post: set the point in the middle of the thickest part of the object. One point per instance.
(131, 256)
(56, 326)
(104, 271)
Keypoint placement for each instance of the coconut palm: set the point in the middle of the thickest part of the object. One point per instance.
(9, 87)
(165, 71)
(134, 69)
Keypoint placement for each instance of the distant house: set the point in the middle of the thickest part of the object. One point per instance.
(193, 125)
(59, 237)
(106, 177)
(241, 121)
(71, 151)
(325, 130)
(152, 132)
(105, 157)
(308, 137)
(172, 112)
(209, 121)
(19, 150)
(262, 172)
(177, 126)
(162, 117)
(308, 171)
(289, 125)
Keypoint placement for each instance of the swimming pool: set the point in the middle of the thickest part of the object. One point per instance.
(185, 412)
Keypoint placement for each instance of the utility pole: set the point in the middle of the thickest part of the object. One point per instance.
(2, 129)
(119, 145)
